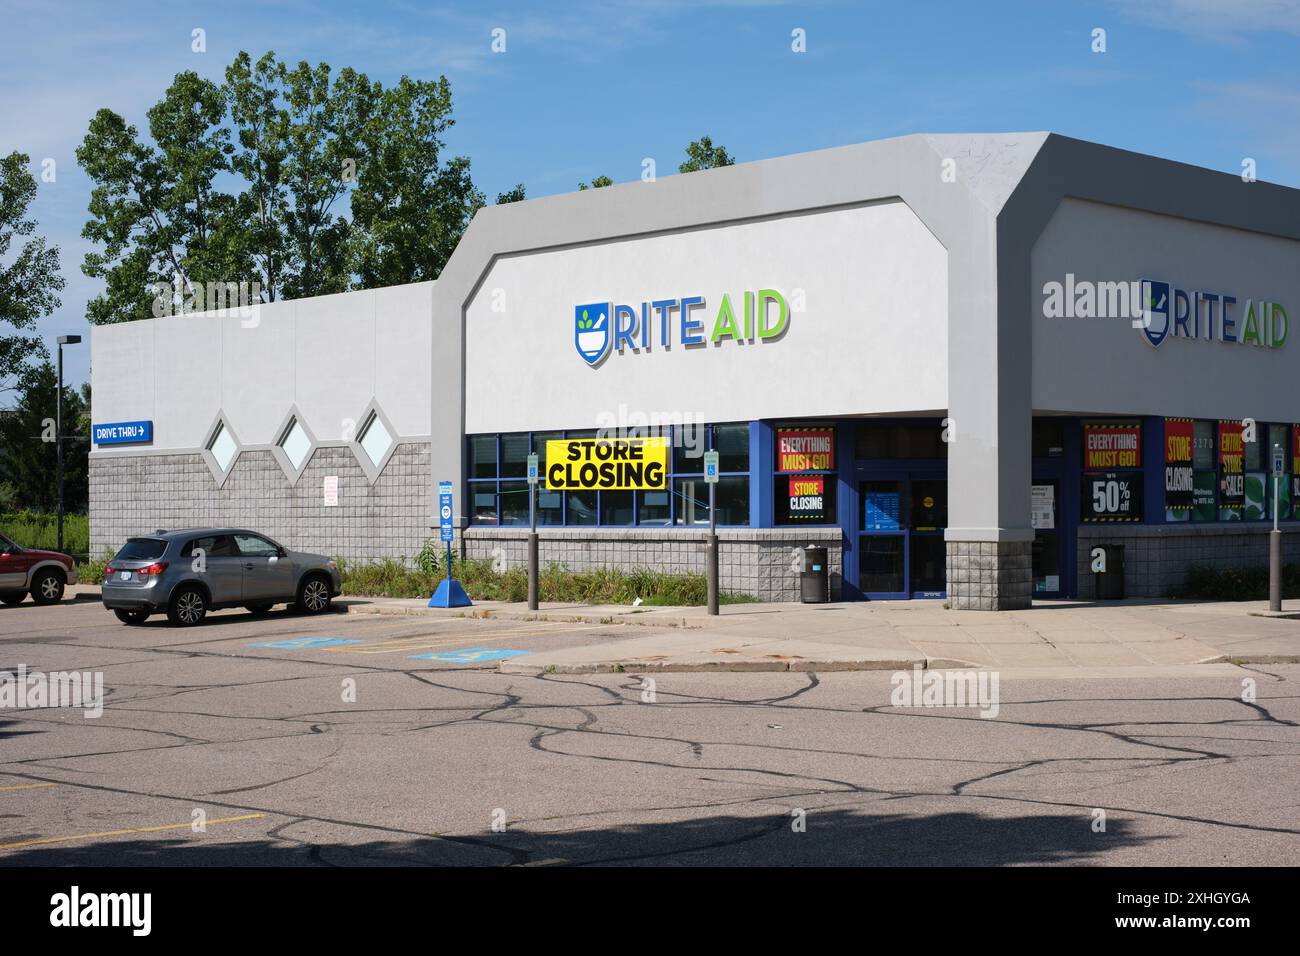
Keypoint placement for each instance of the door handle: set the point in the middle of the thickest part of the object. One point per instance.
(248, 567)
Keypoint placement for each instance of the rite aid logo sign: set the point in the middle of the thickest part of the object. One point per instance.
(1160, 310)
(1170, 311)
(603, 328)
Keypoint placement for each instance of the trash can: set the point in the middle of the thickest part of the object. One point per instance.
(814, 579)
(1110, 583)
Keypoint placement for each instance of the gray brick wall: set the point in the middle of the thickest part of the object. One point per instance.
(750, 561)
(1156, 557)
(989, 575)
(389, 519)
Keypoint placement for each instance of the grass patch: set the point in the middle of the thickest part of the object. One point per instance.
(1238, 584)
(35, 529)
(396, 579)
(91, 570)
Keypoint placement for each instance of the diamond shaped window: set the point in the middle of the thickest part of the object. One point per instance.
(296, 444)
(223, 447)
(375, 439)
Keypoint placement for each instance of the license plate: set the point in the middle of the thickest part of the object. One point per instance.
(124, 575)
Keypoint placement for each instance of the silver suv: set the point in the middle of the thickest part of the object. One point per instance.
(188, 573)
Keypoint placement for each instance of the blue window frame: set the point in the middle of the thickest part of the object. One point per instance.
(498, 492)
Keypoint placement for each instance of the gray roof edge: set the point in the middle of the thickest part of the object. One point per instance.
(991, 165)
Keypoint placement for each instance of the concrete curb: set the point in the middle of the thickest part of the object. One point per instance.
(563, 617)
(710, 667)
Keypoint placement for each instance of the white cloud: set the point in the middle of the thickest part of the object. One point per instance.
(1226, 21)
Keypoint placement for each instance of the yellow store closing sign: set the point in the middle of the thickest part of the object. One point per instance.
(607, 464)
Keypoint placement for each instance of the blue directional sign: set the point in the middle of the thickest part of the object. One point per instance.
(445, 527)
(123, 433)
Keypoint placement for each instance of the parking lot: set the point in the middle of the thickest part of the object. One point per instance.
(347, 739)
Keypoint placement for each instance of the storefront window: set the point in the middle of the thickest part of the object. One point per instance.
(653, 508)
(514, 455)
(483, 456)
(514, 503)
(881, 565)
(892, 441)
(733, 500)
(1048, 438)
(690, 442)
(805, 498)
(691, 499)
(483, 504)
(580, 508)
(494, 500)
(550, 507)
(539, 446)
(616, 507)
(731, 442)
(1111, 486)
(1205, 483)
(929, 505)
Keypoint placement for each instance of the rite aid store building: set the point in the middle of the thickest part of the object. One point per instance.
(960, 362)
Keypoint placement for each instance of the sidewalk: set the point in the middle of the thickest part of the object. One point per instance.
(1134, 637)
(899, 634)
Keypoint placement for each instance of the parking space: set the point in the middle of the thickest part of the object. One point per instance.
(347, 739)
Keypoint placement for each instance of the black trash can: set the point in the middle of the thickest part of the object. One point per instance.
(814, 579)
(1110, 583)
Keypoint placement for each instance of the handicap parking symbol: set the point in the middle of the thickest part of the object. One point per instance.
(299, 643)
(469, 655)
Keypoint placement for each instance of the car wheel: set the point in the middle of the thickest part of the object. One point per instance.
(258, 609)
(48, 587)
(314, 594)
(187, 607)
(13, 597)
(131, 617)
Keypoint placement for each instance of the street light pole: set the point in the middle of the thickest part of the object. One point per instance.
(58, 428)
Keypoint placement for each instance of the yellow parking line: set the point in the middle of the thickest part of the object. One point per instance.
(110, 833)
(29, 786)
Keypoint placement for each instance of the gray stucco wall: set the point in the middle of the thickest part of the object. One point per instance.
(136, 494)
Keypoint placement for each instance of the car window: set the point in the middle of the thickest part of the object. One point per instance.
(255, 546)
(141, 549)
(214, 546)
(6, 544)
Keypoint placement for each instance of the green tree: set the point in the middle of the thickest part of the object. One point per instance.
(702, 154)
(411, 208)
(597, 183)
(156, 211)
(28, 283)
(28, 454)
(249, 181)
(512, 195)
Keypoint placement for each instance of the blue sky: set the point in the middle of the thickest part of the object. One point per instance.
(591, 88)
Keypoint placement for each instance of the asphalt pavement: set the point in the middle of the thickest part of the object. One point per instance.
(351, 739)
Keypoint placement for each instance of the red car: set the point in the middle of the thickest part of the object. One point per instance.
(42, 574)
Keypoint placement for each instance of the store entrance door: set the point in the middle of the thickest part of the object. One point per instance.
(901, 547)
